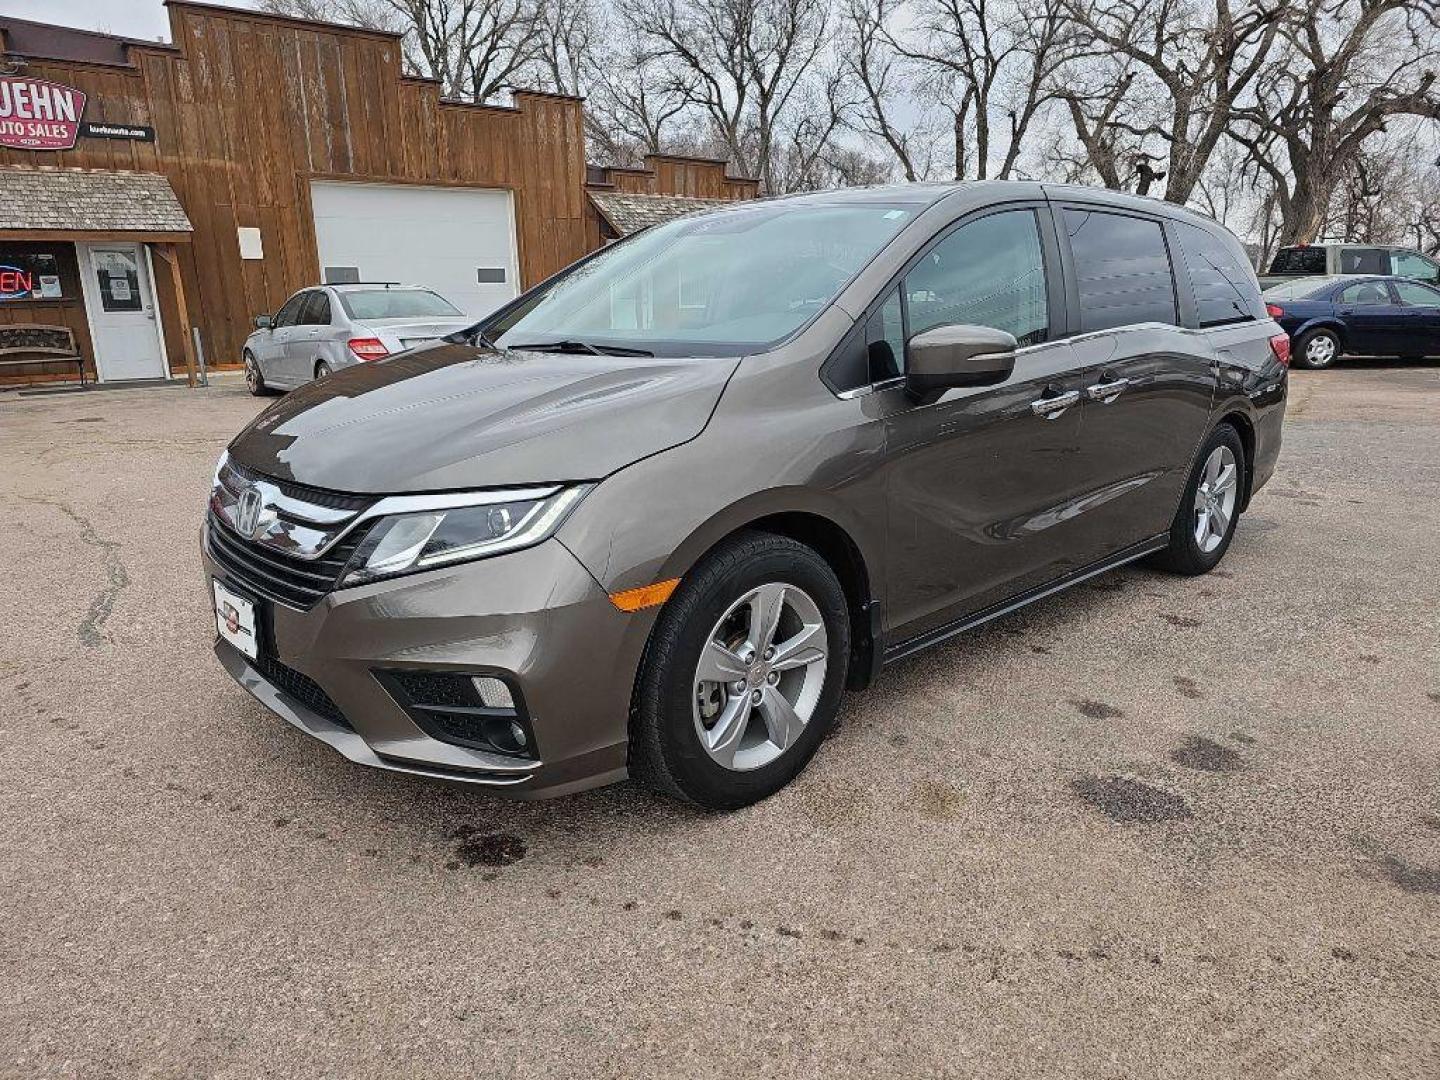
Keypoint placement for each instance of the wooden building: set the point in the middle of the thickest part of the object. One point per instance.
(151, 187)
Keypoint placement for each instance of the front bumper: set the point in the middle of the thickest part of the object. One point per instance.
(534, 617)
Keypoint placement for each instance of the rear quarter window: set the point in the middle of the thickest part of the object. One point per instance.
(1224, 285)
(1122, 268)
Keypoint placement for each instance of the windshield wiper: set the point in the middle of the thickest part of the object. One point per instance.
(573, 346)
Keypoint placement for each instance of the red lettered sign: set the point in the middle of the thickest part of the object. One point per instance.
(38, 115)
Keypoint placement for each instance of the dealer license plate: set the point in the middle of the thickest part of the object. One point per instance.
(235, 619)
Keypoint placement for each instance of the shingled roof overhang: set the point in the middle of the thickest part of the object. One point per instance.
(627, 213)
(43, 203)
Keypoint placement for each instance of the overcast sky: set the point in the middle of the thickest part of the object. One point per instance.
(129, 18)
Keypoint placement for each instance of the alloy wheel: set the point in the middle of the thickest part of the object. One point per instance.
(1215, 498)
(252, 376)
(760, 676)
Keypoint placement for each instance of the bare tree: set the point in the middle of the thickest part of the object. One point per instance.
(636, 102)
(875, 67)
(745, 65)
(1355, 66)
(993, 63)
(1193, 60)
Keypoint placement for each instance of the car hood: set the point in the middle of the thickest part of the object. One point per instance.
(449, 416)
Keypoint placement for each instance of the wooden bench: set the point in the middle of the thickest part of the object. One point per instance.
(36, 339)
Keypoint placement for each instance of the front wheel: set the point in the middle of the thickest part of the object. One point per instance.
(1317, 349)
(254, 377)
(743, 675)
(1210, 508)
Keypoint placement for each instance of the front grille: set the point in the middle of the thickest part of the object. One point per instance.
(297, 583)
(300, 687)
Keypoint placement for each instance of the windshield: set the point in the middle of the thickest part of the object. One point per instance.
(722, 283)
(367, 305)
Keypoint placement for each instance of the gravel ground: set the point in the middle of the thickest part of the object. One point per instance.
(1152, 827)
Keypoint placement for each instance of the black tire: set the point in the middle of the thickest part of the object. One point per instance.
(254, 377)
(1299, 356)
(1183, 555)
(665, 751)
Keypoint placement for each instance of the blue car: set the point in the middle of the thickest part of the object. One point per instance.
(1356, 316)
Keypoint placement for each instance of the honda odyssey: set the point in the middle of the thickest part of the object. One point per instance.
(654, 516)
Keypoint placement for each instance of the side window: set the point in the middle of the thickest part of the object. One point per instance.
(1412, 265)
(1122, 269)
(1225, 288)
(1364, 293)
(1364, 261)
(885, 340)
(316, 311)
(1416, 294)
(289, 314)
(987, 273)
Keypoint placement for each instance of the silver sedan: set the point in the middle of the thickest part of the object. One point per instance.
(329, 327)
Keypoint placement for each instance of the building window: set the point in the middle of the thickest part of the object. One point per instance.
(29, 275)
(118, 275)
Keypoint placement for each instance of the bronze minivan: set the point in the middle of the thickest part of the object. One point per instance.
(653, 517)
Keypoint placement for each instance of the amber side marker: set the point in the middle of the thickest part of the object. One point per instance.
(645, 596)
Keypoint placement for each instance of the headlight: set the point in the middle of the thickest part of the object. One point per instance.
(418, 532)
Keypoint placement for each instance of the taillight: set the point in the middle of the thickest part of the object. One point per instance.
(1280, 346)
(368, 348)
(1274, 310)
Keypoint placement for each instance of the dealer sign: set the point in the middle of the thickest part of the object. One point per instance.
(38, 115)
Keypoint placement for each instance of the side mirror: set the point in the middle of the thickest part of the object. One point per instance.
(263, 322)
(957, 354)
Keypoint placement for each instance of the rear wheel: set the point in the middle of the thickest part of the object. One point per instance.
(743, 675)
(1317, 349)
(1210, 508)
(254, 377)
(322, 369)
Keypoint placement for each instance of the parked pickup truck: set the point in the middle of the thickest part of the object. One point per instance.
(1307, 260)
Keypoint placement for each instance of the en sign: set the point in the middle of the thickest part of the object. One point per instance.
(38, 115)
(15, 283)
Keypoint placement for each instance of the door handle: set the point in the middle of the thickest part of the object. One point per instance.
(1107, 390)
(1050, 408)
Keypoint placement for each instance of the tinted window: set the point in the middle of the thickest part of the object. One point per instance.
(1299, 260)
(1364, 261)
(316, 311)
(288, 314)
(363, 305)
(1409, 264)
(732, 280)
(1364, 293)
(1225, 289)
(885, 340)
(987, 273)
(1412, 292)
(1122, 269)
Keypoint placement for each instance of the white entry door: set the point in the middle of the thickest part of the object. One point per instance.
(120, 304)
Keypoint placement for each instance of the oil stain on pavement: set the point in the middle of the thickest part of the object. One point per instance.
(1128, 801)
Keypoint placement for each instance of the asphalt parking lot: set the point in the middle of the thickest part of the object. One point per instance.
(1153, 827)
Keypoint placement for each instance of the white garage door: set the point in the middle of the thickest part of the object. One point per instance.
(458, 241)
